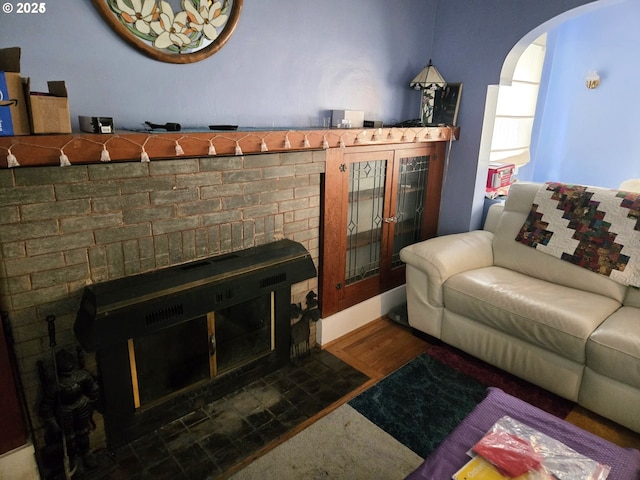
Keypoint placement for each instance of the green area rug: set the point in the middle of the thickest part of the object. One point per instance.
(420, 403)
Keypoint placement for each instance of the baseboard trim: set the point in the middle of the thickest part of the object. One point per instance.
(19, 464)
(346, 321)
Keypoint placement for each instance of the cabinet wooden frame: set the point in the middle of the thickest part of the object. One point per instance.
(335, 294)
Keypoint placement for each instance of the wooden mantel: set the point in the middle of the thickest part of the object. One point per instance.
(127, 146)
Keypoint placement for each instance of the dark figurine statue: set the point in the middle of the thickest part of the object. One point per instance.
(67, 408)
(301, 329)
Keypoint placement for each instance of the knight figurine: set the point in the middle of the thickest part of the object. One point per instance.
(67, 407)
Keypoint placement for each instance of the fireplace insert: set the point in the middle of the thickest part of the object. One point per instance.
(169, 341)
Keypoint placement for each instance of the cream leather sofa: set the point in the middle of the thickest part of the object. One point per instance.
(571, 331)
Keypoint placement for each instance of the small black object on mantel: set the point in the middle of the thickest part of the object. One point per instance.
(372, 124)
(96, 124)
(169, 126)
(223, 127)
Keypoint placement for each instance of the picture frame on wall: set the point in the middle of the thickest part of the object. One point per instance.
(446, 103)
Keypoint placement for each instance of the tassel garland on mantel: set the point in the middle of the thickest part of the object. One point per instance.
(12, 161)
(64, 160)
(361, 137)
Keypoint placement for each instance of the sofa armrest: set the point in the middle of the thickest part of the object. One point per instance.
(431, 263)
(442, 257)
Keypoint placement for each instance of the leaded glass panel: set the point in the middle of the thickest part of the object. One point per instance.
(365, 219)
(412, 184)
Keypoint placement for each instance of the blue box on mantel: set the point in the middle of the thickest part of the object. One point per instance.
(14, 116)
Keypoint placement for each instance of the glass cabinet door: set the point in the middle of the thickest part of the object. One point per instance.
(377, 200)
(411, 188)
(365, 214)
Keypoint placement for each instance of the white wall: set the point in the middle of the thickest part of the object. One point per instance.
(19, 464)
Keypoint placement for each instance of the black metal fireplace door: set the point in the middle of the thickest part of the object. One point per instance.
(206, 312)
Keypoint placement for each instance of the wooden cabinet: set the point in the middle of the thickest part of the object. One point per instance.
(376, 200)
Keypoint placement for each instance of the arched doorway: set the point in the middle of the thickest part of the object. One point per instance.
(509, 72)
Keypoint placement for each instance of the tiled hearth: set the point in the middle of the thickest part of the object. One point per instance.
(62, 228)
(208, 442)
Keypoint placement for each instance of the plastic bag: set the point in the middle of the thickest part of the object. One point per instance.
(515, 448)
(512, 455)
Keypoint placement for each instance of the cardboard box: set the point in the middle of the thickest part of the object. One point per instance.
(354, 118)
(14, 115)
(50, 112)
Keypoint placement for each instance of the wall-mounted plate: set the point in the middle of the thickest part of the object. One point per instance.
(173, 31)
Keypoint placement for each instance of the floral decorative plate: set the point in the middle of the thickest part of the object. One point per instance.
(170, 32)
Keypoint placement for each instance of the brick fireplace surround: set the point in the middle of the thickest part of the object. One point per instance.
(64, 228)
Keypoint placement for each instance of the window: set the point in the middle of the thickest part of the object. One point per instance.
(516, 108)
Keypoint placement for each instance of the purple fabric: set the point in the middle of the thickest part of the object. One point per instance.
(451, 454)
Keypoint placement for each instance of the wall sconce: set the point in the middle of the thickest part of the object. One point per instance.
(428, 81)
(592, 80)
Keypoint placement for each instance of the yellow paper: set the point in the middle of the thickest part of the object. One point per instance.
(480, 469)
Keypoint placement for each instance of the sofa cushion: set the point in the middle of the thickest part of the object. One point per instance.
(509, 253)
(554, 317)
(613, 349)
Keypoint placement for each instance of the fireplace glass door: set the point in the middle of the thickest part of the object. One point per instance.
(243, 333)
(169, 360)
(182, 356)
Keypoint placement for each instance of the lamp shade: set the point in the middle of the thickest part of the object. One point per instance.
(428, 77)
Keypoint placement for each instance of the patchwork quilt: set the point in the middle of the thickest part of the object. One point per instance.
(595, 228)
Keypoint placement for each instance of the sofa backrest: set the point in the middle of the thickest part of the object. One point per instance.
(509, 253)
(493, 217)
(632, 299)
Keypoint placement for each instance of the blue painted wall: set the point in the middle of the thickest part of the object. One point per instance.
(586, 136)
(472, 40)
(286, 62)
(289, 61)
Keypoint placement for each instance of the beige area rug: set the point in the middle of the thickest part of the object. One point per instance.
(341, 445)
